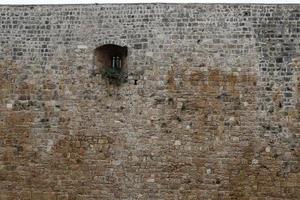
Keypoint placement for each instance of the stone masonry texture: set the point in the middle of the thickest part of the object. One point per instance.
(210, 109)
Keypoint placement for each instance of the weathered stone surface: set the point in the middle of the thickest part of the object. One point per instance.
(211, 108)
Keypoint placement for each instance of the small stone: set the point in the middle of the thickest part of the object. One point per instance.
(208, 171)
(188, 148)
(49, 145)
(235, 139)
(150, 180)
(149, 54)
(254, 162)
(9, 106)
(154, 138)
(77, 144)
(135, 158)
(179, 105)
(268, 149)
(231, 119)
(116, 162)
(177, 142)
(82, 47)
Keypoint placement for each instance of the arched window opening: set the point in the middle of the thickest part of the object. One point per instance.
(111, 62)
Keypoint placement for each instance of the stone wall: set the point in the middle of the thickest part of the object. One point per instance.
(210, 109)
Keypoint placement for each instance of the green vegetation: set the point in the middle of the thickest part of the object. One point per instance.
(114, 76)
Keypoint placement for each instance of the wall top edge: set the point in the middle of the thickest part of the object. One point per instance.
(114, 4)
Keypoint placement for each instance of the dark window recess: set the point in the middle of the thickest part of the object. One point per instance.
(111, 63)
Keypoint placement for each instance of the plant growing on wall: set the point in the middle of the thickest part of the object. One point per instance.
(114, 75)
